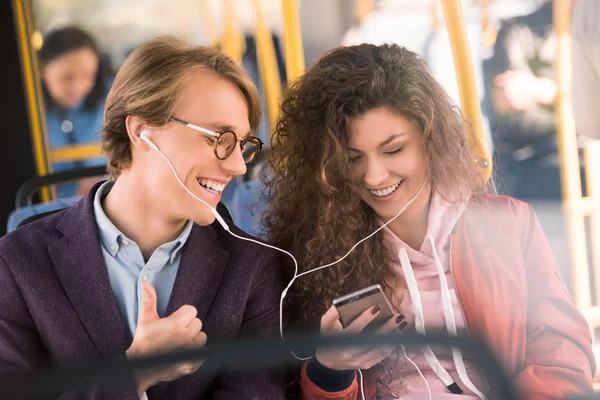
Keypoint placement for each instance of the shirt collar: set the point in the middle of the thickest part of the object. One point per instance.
(112, 238)
(174, 247)
(109, 234)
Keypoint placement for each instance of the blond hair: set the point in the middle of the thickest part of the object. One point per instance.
(149, 83)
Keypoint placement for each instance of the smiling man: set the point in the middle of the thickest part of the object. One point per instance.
(138, 266)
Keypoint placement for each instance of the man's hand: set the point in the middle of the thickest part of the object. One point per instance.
(154, 335)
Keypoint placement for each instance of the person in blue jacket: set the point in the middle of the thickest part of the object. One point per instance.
(75, 82)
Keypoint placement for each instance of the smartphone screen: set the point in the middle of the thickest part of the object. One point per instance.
(350, 306)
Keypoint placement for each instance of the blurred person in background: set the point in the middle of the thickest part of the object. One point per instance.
(585, 26)
(520, 83)
(75, 82)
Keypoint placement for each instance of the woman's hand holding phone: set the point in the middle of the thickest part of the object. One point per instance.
(361, 357)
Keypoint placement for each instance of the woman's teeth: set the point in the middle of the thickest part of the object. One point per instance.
(387, 191)
(212, 186)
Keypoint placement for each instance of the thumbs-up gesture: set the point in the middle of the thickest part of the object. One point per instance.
(154, 335)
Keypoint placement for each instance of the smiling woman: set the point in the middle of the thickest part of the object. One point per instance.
(368, 137)
(360, 120)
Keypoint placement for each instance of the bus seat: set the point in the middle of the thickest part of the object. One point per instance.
(26, 211)
(23, 215)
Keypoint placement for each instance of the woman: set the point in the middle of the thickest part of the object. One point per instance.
(139, 266)
(75, 81)
(362, 134)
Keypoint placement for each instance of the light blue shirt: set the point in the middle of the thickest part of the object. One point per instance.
(126, 267)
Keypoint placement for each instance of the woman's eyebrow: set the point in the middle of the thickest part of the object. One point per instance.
(386, 141)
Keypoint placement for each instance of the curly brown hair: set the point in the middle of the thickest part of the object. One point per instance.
(315, 212)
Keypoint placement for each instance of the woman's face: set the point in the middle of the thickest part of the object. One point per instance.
(386, 150)
(70, 77)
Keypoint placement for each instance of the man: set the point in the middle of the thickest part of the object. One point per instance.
(138, 267)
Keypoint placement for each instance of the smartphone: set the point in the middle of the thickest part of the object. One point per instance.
(350, 306)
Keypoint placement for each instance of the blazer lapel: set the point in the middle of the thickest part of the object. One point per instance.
(80, 266)
(198, 279)
(200, 272)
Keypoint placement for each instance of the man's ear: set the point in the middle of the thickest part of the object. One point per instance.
(135, 125)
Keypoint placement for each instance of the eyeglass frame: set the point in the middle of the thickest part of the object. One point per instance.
(218, 135)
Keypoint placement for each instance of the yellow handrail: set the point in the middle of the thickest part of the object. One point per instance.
(362, 8)
(76, 153)
(569, 158)
(591, 160)
(292, 40)
(435, 16)
(22, 13)
(233, 43)
(476, 138)
(267, 63)
(488, 34)
(208, 22)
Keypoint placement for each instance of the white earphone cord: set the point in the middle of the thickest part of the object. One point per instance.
(145, 137)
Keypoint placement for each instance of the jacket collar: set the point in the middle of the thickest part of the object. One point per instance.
(80, 265)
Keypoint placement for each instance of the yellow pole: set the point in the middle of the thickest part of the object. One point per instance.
(22, 13)
(591, 160)
(233, 42)
(208, 21)
(267, 64)
(569, 158)
(485, 14)
(435, 17)
(488, 34)
(78, 152)
(467, 87)
(292, 40)
(362, 8)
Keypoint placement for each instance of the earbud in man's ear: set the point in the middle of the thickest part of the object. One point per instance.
(145, 136)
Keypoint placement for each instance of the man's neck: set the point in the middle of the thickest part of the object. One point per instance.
(133, 211)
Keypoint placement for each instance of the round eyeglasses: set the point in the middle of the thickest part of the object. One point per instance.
(225, 142)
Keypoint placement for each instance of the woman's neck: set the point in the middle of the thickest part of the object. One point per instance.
(411, 225)
(133, 210)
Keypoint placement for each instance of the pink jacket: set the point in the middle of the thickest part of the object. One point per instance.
(514, 299)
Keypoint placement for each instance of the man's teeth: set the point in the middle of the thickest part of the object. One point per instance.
(212, 186)
(386, 191)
